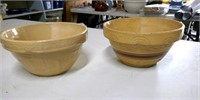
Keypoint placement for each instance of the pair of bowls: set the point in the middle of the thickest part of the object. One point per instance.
(48, 49)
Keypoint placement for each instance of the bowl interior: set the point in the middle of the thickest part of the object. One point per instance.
(45, 31)
(143, 25)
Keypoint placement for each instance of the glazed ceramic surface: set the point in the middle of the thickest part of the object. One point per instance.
(45, 49)
(142, 42)
(134, 6)
(1, 17)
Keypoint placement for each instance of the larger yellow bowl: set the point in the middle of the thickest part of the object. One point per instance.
(142, 41)
(45, 49)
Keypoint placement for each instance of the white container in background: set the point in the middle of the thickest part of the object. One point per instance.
(134, 6)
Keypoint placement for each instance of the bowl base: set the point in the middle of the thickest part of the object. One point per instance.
(49, 64)
(41, 75)
(137, 65)
(139, 62)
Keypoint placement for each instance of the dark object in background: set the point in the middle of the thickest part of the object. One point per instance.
(110, 3)
(93, 3)
(184, 13)
(192, 31)
(101, 6)
(57, 4)
(196, 26)
(189, 12)
(88, 20)
(114, 3)
(16, 11)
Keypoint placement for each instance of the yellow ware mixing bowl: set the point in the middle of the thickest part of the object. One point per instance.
(142, 41)
(45, 49)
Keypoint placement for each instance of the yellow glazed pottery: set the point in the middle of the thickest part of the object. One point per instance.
(45, 49)
(142, 41)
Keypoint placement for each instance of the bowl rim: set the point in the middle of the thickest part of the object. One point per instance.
(2, 37)
(150, 33)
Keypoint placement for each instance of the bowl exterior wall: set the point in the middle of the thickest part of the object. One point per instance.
(48, 64)
(143, 39)
(51, 49)
(140, 55)
(141, 49)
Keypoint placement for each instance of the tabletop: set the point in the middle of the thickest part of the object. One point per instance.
(114, 12)
(98, 75)
(122, 13)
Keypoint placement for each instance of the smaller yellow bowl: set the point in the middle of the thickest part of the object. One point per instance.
(142, 41)
(45, 49)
